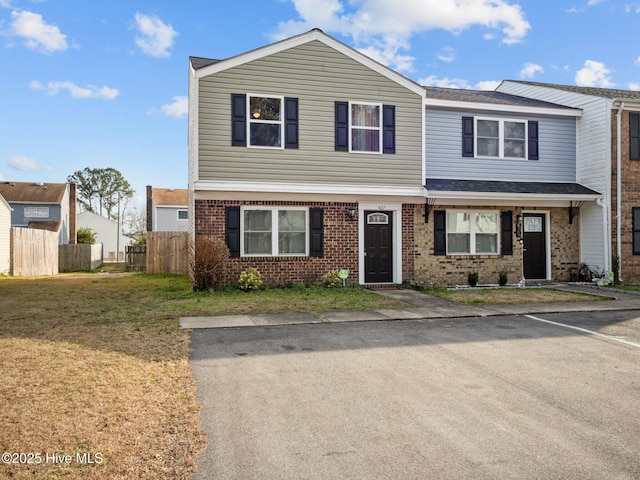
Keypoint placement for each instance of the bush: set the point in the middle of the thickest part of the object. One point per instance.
(472, 278)
(86, 235)
(502, 278)
(249, 280)
(207, 261)
(331, 279)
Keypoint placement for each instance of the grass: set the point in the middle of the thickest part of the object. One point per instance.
(495, 296)
(97, 364)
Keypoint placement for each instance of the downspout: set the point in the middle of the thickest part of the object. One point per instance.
(619, 185)
(607, 257)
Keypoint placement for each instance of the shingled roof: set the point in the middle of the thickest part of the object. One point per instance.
(594, 91)
(494, 186)
(201, 62)
(486, 96)
(29, 192)
(170, 196)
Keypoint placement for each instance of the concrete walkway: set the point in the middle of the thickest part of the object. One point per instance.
(424, 306)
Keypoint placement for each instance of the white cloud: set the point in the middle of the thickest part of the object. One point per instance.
(447, 54)
(5, 3)
(156, 37)
(433, 81)
(591, 3)
(594, 74)
(179, 107)
(634, 86)
(37, 34)
(90, 91)
(530, 69)
(487, 85)
(387, 27)
(20, 162)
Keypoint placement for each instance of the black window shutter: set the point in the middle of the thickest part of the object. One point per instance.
(636, 230)
(506, 232)
(233, 230)
(316, 232)
(290, 123)
(342, 126)
(467, 136)
(238, 120)
(388, 129)
(533, 140)
(634, 136)
(439, 232)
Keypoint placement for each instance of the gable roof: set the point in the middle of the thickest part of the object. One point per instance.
(29, 192)
(175, 197)
(50, 225)
(492, 100)
(203, 67)
(610, 93)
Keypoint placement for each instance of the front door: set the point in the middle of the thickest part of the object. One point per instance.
(378, 248)
(535, 246)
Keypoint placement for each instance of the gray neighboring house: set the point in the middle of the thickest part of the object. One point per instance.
(167, 209)
(47, 206)
(5, 236)
(106, 233)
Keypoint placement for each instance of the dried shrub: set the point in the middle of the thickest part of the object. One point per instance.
(207, 262)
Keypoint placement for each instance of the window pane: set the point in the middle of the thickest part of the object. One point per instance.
(486, 223)
(514, 148)
(257, 232)
(458, 222)
(265, 134)
(514, 130)
(488, 128)
(257, 220)
(183, 214)
(486, 243)
(488, 147)
(458, 243)
(292, 226)
(292, 243)
(292, 220)
(263, 108)
(365, 140)
(365, 115)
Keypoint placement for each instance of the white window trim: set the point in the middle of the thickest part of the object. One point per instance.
(274, 231)
(36, 211)
(178, 215)
(501, 138)
(472, 232)
(251, 120)
(379, 128)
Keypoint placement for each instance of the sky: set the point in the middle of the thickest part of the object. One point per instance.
(104, 84)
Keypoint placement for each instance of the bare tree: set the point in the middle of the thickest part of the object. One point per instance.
(135, 221)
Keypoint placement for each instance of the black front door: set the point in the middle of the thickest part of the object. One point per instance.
(535, 246)
(378, 247)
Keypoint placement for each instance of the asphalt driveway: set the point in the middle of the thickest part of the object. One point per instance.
(477, 398)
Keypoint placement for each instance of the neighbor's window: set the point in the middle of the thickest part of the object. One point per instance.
(636, 230)
(274, 232)
(36, 212)
(366, 132)
(472, 232)
(183, 215)
(501, 138)
(265, 121)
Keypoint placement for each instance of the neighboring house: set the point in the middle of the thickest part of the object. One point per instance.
(167, 210)
(607, 160)
(49, 206)
(501, 183)
(307, 156)
(106, 231)
(5, 236)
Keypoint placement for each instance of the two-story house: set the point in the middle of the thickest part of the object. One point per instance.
(167, 209)
(607, 160)
(48, 206)
(306, 156)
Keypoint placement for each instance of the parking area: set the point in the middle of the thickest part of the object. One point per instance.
(478, 398)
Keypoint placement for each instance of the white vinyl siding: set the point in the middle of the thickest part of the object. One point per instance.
(167, 220)
(318, 76)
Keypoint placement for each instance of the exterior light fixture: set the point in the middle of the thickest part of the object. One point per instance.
(351, 213)
(256, 113)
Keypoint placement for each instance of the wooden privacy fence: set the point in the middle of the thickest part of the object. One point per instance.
(33, 252)
(78, 257)
(167, 252)
(136, 258)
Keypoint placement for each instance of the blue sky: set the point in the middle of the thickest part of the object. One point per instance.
(104, 84)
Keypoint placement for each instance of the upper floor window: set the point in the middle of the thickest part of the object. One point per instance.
(36, 212)
(265, 121)
(183, 215)
(366, 127)
(501, 138)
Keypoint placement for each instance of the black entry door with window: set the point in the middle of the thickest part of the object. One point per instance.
(535, 245)
(378, 247)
